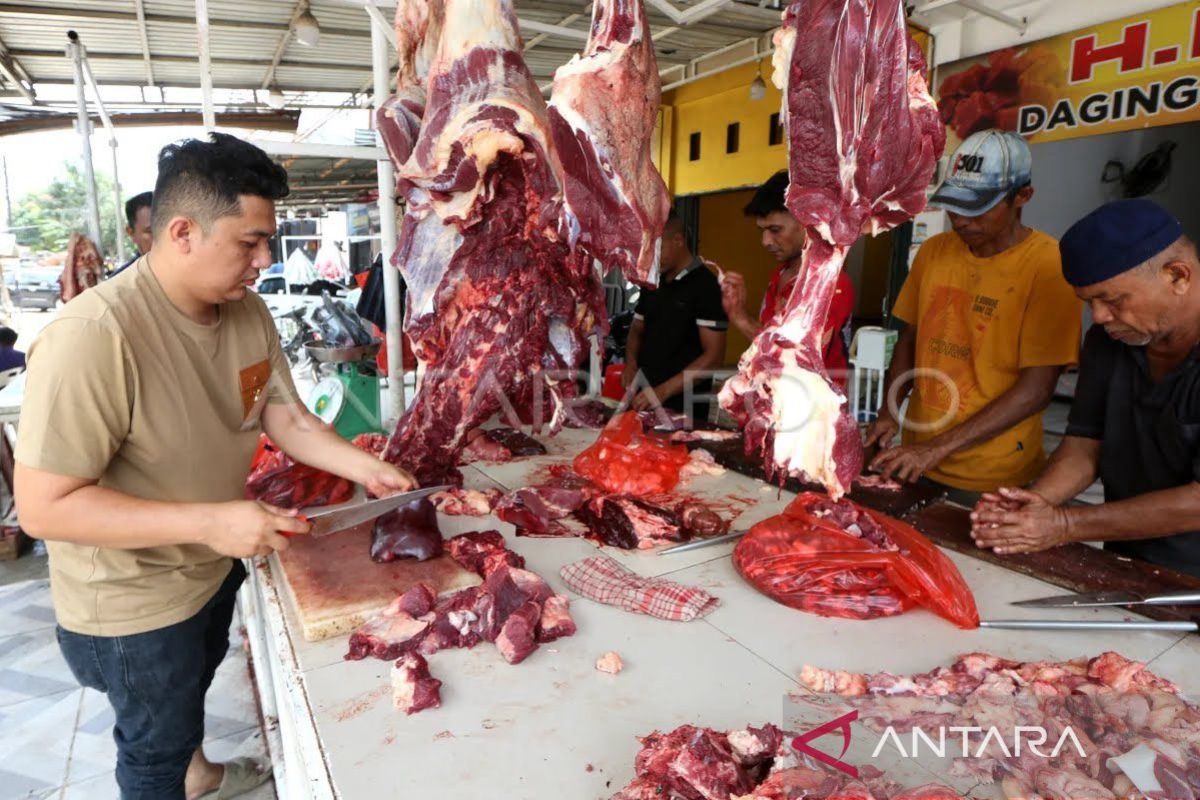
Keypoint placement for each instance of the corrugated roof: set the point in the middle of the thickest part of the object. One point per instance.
(245, 36)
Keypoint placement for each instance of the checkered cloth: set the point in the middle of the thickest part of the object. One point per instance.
(601, 579)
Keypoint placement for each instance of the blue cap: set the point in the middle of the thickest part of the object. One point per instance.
(984, 168)
(1115, 238)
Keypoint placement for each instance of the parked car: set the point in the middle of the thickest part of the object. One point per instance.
(35, 287)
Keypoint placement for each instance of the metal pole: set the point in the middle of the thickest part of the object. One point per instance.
(206, 87)
(395, 404)
(112, 142)
(7, 195)
(75, 52)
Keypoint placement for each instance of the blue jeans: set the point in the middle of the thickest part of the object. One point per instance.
(156, 682)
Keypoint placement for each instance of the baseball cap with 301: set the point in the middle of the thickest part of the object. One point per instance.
(985, 168)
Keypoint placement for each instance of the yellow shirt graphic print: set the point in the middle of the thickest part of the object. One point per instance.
(980, 321)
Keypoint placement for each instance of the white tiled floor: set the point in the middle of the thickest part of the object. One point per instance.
(56, 738)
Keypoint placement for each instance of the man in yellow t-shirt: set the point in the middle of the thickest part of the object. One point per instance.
(990, 325)
(143, 405)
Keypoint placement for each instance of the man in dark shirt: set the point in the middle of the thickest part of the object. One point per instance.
(1135, 421)
(137, 227)
(678, 332)
(10, 357)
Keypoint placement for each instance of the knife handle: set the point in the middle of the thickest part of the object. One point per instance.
(1174, 599)
(290, 534)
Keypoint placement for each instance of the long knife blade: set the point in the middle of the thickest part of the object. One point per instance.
(696, 545)
(1101, 599)
(1090, 625)
(339, 519)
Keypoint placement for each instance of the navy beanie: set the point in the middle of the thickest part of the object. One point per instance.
(1115, 238)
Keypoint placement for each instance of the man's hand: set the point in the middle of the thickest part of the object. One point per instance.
(882, 431)
(733, 294)
(629, 374)
(908, 462)
(388, 479)
(646, 399)
(1019, 521)
(245, 528)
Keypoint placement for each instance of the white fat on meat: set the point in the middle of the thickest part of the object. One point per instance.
(805, 411)
(610, 662)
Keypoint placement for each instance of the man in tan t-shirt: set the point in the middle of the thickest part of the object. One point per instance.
(143, 405)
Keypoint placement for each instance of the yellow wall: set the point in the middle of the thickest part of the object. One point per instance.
(708, 106)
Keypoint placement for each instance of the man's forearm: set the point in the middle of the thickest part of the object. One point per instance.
(1147, 516)
(101, 517)
(705, 363)
(307, 440)
(1072, 468)
(1026, 398)
(633, 343)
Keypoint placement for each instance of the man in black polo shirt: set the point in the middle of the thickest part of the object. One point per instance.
(1135, 421)
(678, 332)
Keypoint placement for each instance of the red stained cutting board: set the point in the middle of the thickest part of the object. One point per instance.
(334, 586)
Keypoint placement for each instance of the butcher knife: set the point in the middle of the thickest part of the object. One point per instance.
(1090, 625)
(696, 545)
(1098, 599)
(340, 518)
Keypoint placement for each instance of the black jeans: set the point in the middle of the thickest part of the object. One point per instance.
(156, 682)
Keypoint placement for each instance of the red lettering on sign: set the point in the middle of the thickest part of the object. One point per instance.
(1196, 34)
(1167, 55)
(1130, 51)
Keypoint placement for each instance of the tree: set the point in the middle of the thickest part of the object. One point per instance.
(45, 220)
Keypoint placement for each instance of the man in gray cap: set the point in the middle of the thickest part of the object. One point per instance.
(1135, 422)
(991, 324)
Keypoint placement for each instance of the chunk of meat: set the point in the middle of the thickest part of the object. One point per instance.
(518, 636)
(697, 519)
(517, 443)
(603, 110)
(466, 502)
(631, 522)
(863, 139)
(692, 762)
(481, 447)
(556, 621)
(482, 552)
(534, 508)
(704, 436)
(700, 462)
(610, 662)
(410, 531)
(397, 629)
(413, 688)
(418, 25)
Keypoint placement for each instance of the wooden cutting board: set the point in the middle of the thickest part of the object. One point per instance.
(334, 586)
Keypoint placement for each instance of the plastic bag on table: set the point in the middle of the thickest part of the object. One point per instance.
(839, 559)
(276, 479)
(624, 460)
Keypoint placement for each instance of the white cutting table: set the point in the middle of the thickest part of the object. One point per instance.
(554, 727)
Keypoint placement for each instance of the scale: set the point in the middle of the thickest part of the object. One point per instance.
(349, 400)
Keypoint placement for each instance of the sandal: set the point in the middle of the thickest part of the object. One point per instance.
(241, 775)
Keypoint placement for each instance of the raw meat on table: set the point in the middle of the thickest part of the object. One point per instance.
(863, 139)
(411, 531)
(1137, 735)
(630, 522)
(466, 502)
(413, 688)
(610, 662)
(535, 509)
(517, 443)
(603, 110)
(840, 559)
(481, 447)
(513, 608)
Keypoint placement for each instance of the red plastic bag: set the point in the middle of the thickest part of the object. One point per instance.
(839, 559)
(277, 479)
(624, 460)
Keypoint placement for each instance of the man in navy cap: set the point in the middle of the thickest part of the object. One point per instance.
(991, 324)
(1135, 422)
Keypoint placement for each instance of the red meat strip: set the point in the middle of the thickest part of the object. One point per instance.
(413, 688)
(399, 628)
(517, 443)
(631, 522)
(482, 552)
(535, 508)
(410, 531)
(481, 447)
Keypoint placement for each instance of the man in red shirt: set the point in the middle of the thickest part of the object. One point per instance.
(783, 237)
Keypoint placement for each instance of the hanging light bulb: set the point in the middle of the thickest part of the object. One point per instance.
(758, 88)
(308, 30)
(275, 98)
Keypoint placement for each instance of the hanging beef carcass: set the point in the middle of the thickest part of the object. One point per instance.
(602, 113)
(863, 138)
(499, 304)
(418, 26)
(83, 268)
